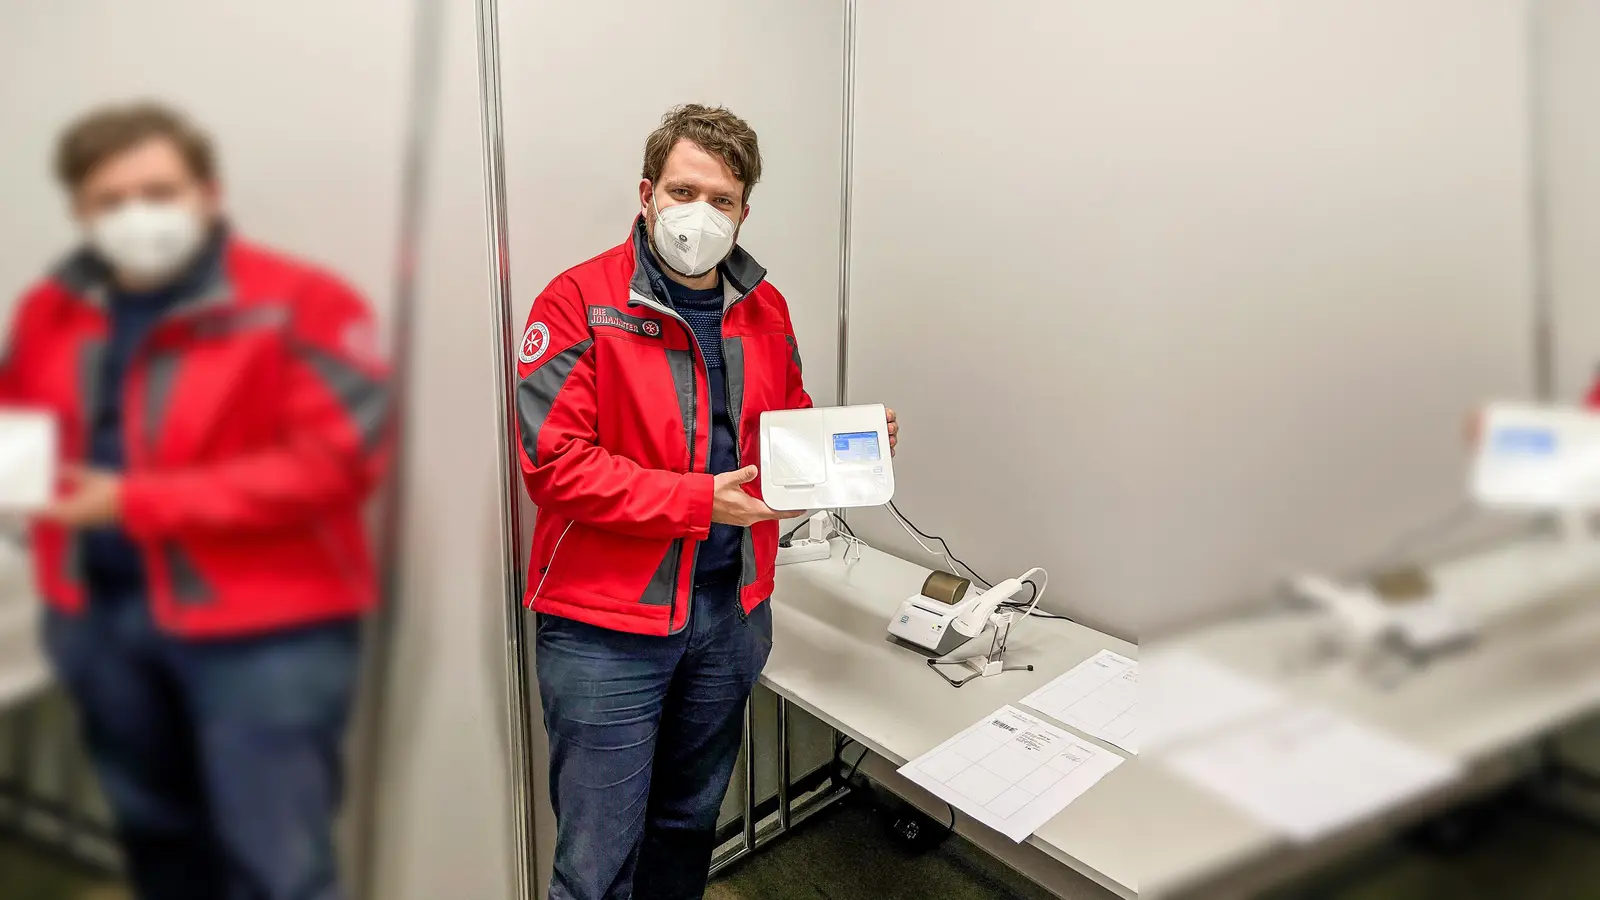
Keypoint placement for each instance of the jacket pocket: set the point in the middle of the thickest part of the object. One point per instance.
(583, 563)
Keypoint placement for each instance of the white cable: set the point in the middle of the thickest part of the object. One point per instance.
(851, 542)
(549, 564)
(1038, 587)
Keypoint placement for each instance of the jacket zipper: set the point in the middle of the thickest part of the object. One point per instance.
(694, 408)
(142, 446)
(738, 459)
(137, 359)
(690, 428)
(694, 559)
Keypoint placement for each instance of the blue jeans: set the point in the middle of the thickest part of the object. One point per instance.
(644, 732)
(220, 759)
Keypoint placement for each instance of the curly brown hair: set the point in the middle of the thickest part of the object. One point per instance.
(109, 130)
(715, 130)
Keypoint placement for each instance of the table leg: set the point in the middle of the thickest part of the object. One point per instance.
(750, 775)
(785, 810)
(790, 814)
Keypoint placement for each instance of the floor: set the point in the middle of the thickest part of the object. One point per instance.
(845, 854)
(25, 874)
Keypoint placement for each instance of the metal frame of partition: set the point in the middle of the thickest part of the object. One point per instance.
(518, 694)
(1540, 288)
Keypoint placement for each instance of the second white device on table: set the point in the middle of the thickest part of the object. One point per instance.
(1533, 457)
(827, 458)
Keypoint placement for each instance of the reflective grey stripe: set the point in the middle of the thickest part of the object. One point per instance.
(188, 588)
(160, 377)
(794, 352)
(747, 556)
(682, 364)
(364, 398)
(91, 356)
(537, 393)
(663, 584)
(72, 559)
(733, 375)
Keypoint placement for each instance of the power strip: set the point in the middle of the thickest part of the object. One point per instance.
(804, 550)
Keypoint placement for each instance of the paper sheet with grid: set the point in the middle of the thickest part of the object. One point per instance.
(1097, 697)
(1012, 772)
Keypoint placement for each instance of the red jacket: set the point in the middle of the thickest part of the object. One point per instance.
(614, 430)
(256, 420)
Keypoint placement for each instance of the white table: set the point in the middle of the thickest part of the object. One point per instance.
(830, 658)
(1535, 671)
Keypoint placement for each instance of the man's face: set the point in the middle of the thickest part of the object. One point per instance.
(153, 171)
(692, 174)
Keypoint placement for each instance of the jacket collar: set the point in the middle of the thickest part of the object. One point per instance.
(204, 285)
(740, 273)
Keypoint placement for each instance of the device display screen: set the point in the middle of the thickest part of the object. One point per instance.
(856, 447)
(1523, 441)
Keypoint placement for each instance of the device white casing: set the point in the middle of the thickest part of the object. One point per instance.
(1533, 457)
(804, 467)
(27, 460)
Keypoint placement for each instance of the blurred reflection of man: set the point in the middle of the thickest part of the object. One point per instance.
(644, 374)
(221, 410)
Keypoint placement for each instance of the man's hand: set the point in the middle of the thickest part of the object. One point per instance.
(894, 431)
(91, 499)
(1472, 428)
(730, 505)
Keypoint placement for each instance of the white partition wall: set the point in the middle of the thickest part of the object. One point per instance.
(308, 121)
(1172, 294)
(583, 85)
(308, 101)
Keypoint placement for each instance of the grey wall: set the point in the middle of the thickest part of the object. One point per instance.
(1171, 294)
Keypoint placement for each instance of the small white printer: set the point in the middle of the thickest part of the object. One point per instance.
(828, 458)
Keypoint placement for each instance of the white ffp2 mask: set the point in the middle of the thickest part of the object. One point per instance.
(693, 237)
(147, 241)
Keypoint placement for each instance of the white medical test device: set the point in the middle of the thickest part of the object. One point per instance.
(826, 458)
(1533, 457)
(27, 460)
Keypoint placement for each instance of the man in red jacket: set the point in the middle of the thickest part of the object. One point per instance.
(644, 373)
(221, 414)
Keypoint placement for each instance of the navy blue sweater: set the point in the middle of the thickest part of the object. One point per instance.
(113, 564)
(719, 557)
